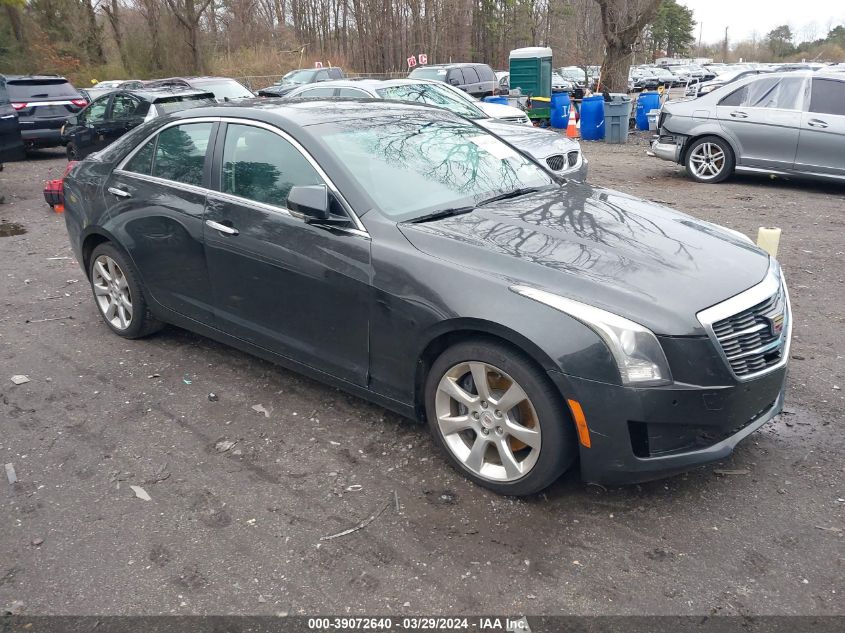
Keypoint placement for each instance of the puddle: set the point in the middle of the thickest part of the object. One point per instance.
(8, 229)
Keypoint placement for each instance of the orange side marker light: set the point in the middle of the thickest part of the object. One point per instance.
(580, 422)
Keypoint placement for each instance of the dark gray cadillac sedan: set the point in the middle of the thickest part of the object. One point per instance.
(411, 257)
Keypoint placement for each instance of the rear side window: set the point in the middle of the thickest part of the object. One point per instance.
(470, 76)
(124, 106)
(26, 89)
(262, 166)
(312, 93)
(736, 98)
(785, 93)
(828, 97)
(485, 73)
(180, 153)
(352, 92)
(142, 161)
(456, 75)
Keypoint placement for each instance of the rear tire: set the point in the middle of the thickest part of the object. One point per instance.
(513, 435)
(118, 293)
(709, 159)
(72, 152)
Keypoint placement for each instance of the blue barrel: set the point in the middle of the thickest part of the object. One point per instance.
(646, 102)
(560, 109)
(502, 100)
(592, 118)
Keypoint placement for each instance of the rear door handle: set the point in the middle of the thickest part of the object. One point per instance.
(817, 123)
(120, 193)
(739, 115)
(228, 230)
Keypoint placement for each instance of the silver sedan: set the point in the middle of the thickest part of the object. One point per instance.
(788, 123)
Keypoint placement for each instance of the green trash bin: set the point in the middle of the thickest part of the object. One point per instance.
(617, 114)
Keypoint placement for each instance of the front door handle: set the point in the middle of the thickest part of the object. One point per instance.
(739, 115)
(228, 230)
(120, 193)
(817, 123)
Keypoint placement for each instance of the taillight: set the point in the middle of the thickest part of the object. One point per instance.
(80, 103)
(70, 165)
(18, 106)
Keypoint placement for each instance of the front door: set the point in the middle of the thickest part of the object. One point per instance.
(123, 116)
(762, 120)
(159, 200)
(297, 289)
(821, 146)
(89, 133)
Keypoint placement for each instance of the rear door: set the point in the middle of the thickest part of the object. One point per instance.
(472, 80)
(92, 122)
(125, 114)
(762, 119)
(821, 145)
(11, 145)
(156, 199)
(298, 289)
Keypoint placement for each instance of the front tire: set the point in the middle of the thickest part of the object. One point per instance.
(72, 152)
(119, 295)
(498, 418)
(709, 159)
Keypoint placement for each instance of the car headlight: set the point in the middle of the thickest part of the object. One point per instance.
(635, 349)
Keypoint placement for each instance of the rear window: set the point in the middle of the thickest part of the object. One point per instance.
(25, 89)
(166, 105)
(224, 89)
(428, 73)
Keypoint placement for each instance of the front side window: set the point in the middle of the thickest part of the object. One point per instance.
(124, 106)
(313, 93)
(784, 93)
(456, 77)
(420, 164)
(96, 112)
(180, 152)
(828, 97)
(260, 165)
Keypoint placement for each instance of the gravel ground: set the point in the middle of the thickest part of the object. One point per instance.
(239, 530)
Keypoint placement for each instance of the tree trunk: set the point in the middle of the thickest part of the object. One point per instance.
(614, 70)
(111, 11)
(14, 15)
(622, 23)
(93, 45)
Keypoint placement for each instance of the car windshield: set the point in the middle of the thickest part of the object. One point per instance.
(419, 164)
(225, 89)
(166, 105)
(432, 94)
(438, 74)
(298, 77)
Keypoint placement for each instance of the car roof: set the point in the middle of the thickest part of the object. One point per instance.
(54, 78)
(367, 83)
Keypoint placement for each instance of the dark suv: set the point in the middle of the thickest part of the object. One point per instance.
(299, 77)
(11, 146)
(479, 80)
(43, 102)
(111, 116)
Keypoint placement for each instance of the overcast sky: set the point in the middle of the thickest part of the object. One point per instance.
(743, 17)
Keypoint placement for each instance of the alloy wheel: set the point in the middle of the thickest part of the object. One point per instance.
(707, 161)
(111, 290)
(487, 421)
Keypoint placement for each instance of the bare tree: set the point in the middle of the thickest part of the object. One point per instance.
(189, 13)
(622, 22)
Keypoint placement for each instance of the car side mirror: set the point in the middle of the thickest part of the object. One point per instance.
(454, 82)
(312, 203)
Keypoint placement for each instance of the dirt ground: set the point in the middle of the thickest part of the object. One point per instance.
(239, 530)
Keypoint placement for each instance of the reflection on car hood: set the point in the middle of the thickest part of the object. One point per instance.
(539, 143)
(626, 255)
(499, 110)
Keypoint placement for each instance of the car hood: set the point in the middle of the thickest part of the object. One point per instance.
(539, 143)
(629, 256)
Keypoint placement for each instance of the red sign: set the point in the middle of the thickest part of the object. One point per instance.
(423, 58)
(412, 61)
(318, 64)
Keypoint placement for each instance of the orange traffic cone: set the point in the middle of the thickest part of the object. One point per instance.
(571, 127)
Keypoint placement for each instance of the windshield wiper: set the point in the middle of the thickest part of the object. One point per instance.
(442, 213)
(510, 194)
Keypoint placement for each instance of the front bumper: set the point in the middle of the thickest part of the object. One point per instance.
(647, 433)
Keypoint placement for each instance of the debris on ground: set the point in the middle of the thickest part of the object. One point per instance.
(225, 445)
(61, 318)
(738, 471)
(835, 530)
(20, 379)
(154, 376)
(37, 542)
(258, 408)
(10, 473)
(16, 608)
(354, 488)
(212, 397)
(361, 525)
(141, 493)
(161, 474)
(187, 380)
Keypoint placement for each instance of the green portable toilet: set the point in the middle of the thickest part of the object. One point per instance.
(531, 70)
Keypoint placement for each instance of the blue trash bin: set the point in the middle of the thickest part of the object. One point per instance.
(502, 100)
(560, 110)
(592, 118)
(646, 102)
